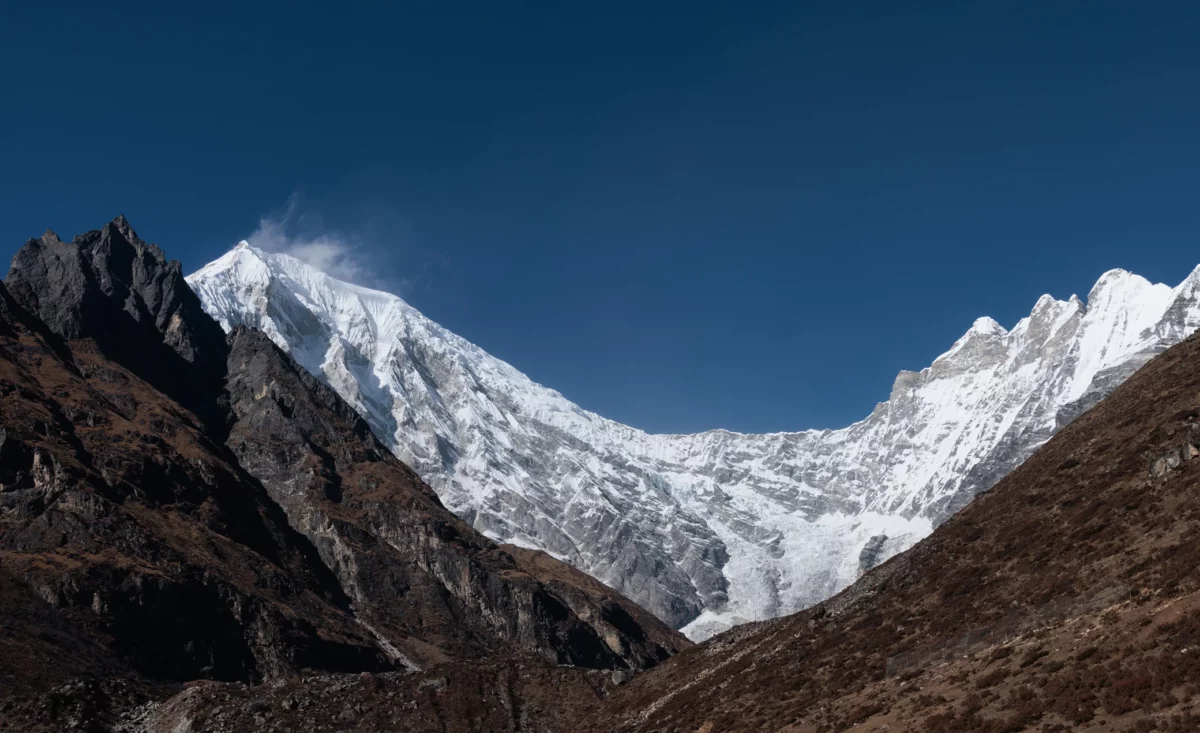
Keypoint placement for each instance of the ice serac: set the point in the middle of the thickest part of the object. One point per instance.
(716, 528)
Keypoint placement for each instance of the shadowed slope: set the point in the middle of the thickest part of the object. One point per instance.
(141, 547)
(122, 293)
(123, 527)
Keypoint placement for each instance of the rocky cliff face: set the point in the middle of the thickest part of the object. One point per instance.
(121, 292)
(711, 529)
(130, 544)
(141, 546)
(419, 574)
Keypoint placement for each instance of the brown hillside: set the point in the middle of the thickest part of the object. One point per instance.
(1063, 599)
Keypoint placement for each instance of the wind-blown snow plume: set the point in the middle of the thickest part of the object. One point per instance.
(292, 233)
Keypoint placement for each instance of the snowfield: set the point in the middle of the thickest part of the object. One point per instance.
(717, 528)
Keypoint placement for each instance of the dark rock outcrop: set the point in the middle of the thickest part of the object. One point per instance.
(122, 293)
(142, 546)
(130, 537)
(869, 556)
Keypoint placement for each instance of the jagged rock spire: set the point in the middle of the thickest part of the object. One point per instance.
(122, 225)
(110, 286)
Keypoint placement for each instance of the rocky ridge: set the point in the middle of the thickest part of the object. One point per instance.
(121, 292)
(151, 536)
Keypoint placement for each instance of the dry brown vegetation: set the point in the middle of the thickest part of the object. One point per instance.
(1093, 510)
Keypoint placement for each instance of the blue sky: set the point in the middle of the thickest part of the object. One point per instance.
(682, 216)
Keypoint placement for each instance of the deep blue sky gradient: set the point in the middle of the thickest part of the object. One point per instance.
(682, 216)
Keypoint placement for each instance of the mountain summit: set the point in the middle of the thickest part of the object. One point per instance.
(716, 528)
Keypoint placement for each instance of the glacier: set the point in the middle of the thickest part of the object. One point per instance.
(717, 528)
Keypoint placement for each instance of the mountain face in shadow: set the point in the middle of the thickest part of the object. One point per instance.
(176, 505)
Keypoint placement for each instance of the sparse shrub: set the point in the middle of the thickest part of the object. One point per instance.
(999, 653)
(992, 678)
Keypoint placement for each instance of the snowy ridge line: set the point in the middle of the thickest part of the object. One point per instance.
(717, 528)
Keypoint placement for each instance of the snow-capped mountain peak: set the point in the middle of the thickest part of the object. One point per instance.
(986, 326)
(716, 528)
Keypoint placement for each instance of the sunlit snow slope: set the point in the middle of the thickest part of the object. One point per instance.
(717, 528)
